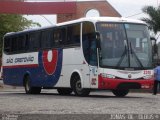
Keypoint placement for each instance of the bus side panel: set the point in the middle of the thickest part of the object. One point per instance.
(15, 76)
(50, 66)
(73, 61)
(44, 70)
(10, 76)
(16, 65)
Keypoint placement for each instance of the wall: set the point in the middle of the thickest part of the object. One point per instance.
(82, 7)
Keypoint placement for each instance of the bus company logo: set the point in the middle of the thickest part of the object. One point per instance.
(129, 76)
(50, 59)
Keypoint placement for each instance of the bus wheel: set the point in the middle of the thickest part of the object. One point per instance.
(120, 93)
(77, 88)
(29, 89)
(64, 91)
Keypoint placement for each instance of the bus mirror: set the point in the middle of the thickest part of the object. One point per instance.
(154, 45)
(153, 41)
(98, 39)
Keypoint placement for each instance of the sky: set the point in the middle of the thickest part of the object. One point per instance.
(131, 7)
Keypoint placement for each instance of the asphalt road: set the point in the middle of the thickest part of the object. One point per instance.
(15, 101)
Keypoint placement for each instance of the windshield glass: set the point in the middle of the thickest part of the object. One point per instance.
(124, 45)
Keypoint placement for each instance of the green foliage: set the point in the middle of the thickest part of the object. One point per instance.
(154, 17)
(13, 23)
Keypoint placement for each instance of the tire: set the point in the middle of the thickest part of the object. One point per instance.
(64, 91)
(76, 86)
(29, 89)
(121, 92)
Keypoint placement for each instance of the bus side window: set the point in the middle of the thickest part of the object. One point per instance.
(14, 44)
(62, 36)
(59, 36)
(76, 34)
(56, 38)
(34, 41)
(26, 43)
(73, 35)
(46, 39)
(22, 43)
(69, 36)
(7, 45)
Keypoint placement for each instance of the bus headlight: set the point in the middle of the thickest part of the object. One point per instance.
(104, 75)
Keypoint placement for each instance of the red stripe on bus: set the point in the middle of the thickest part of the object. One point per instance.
(22, 66)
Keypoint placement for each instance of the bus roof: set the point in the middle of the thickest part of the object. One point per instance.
(103, 19)
(91, 19)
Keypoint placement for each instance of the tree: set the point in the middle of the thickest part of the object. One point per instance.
(13, 23)
(154, 18)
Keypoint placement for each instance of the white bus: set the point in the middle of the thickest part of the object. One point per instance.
(102, 53)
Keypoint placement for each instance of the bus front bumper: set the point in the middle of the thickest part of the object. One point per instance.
(110, 83)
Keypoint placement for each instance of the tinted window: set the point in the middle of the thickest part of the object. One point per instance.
(47, 39)
(89, 43)
(34, 41)
(59, 37)
(73, 35)
(14, 44)
(7, 45)
(22, 43)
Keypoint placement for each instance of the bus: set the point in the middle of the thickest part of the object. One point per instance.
(97, 53)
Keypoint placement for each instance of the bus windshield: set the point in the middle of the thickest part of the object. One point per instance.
(124, 45)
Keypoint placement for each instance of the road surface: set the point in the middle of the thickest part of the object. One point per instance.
(15, 101)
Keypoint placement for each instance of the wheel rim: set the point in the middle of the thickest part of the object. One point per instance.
(78, 86)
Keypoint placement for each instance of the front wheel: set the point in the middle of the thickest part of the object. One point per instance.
(120, 93)
(77, 87)
(29, 89)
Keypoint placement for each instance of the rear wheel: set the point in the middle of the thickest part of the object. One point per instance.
(29, 89)
(120, 92)
(64, 91)
(77, 87)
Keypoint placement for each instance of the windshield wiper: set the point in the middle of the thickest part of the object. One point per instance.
(122, 57)
(133, 53)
